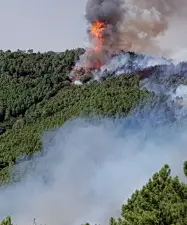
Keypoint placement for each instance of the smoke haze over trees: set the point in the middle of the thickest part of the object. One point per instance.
(98, 135)
(122, 128)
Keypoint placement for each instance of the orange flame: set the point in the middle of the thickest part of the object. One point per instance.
(96, 34)
(96, 31)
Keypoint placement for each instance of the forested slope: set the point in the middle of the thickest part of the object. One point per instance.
(36, 94)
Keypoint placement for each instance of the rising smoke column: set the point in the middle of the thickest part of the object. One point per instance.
(150, 27)
(103, 18)
(155, 27)
(123, 25)
(109, 13)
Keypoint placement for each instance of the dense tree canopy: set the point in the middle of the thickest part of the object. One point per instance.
(40, 96)
(163, 200)
(36, 94)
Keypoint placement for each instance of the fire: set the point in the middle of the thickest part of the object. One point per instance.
(93, 56)
(96, 32)
(96, 29)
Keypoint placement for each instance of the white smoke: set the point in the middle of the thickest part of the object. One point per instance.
(180, 95)
(181, 91)
(143, 26)
(89, 169)
(124, 64)
(155, 27)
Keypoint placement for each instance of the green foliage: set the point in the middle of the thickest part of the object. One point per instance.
(163, 200)
(6, 221)
(114, 96)
(36, 94)
(185, 168)
(27, 79)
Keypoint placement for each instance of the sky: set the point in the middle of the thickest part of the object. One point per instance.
(42, 25)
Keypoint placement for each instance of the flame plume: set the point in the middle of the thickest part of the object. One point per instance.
(93, 56)
(96, 32)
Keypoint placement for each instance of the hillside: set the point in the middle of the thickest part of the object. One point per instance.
(36, 95)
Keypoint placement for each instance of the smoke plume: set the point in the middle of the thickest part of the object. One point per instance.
(111, 13)
(88, 168)
(152, 27)
(155, 28)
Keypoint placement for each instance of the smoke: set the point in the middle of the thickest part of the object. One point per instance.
(110, 12)
(129, 63)
(88, 168)
(155, 28)
(152, 27)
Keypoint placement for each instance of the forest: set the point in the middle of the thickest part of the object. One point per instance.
(36, 94)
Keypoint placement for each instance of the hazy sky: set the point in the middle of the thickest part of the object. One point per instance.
(42, 25)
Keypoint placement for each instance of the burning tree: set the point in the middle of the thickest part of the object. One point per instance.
(103, 17)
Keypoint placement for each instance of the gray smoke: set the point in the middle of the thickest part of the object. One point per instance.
(89, 168)
(128, 63)
(155, 28)
(158, 27)
(109, 11)
(151, 27)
